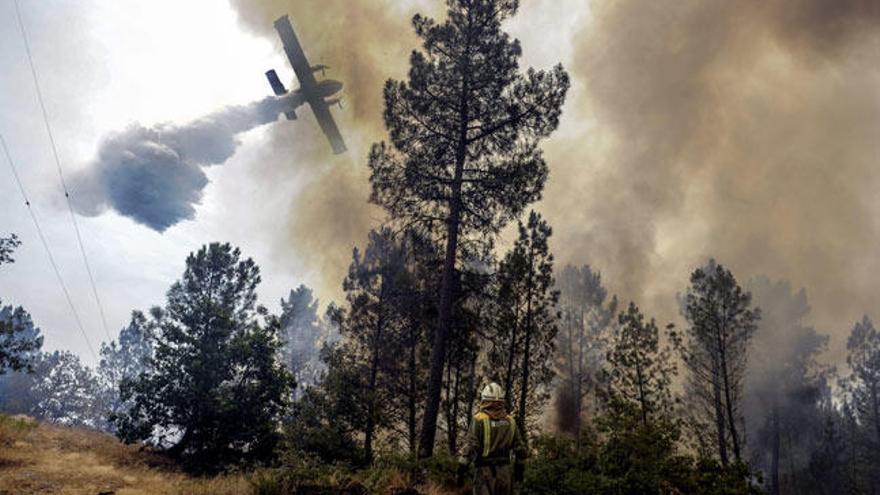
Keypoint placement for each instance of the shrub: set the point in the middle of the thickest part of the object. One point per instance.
(626, 456)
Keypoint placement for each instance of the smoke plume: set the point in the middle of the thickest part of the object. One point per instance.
(783, 381)
(364, 43)
(736, 129)
(154, 175)
(729, 128)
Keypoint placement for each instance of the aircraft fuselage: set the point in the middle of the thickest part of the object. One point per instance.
(324, 89)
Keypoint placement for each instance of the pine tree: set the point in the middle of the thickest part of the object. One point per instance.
(20, 340)
(216, 390)
(125, 359)
(587, 316)
(526, 323)
(784, 385)
(67, 392)
(721, 321)
(416, 306)
(460, 385)
(863, 391)
(7, 246)
(863, 357)
(639, 370)
(373, 287)
(463, 154)
(329, 419)
(301, 332)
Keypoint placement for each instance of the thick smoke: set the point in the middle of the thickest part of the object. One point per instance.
(736, 129)
(729, 128)
(154, 175)
(783, 380)
(364, 43)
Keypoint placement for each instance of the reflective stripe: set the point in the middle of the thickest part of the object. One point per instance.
(487, 436)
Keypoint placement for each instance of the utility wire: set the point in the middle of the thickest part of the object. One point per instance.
(46, 247)
(79, 241)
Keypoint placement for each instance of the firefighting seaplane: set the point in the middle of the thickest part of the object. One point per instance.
(316, 93)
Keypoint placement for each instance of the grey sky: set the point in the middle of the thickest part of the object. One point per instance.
(103, 66)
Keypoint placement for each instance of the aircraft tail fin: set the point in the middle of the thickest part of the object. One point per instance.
(276, 84)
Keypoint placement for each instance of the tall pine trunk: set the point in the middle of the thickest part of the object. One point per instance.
(731, 417)
(524, 392)
(453, 422)
(643, 400)
(511, 357)
(438, 353)
(719, 413)
(472, 387)
(413, 389)
(448, 283)
(528, 346)
(572, 386)
(371, 406)
(579, 387)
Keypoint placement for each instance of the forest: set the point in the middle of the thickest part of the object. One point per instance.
(456, 289)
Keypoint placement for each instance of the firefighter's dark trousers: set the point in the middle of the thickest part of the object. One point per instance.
(493, 480)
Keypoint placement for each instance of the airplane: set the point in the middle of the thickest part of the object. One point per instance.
(311, 91)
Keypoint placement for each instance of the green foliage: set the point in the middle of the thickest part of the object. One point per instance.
(66, 391)
(326, 421)
(638, 455)
(20, 340)
(710, 477)
(524, 321)
(563, 466)
(639, 371)
(862, 411)
(373, 386)
(863, 357)
(464, 129)
(215, 391)
(463, 157)
(7, 246)
(714, 349)
(377, 280)
(125, 359)
(626, 456)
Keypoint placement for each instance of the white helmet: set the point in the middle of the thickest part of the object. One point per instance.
(492, 391)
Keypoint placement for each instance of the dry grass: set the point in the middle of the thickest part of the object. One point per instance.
(38, 458)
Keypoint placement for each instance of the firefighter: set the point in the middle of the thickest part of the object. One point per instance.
(493, 439)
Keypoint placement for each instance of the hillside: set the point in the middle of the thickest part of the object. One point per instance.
(44, 458)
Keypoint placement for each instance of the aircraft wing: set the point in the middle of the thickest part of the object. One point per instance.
(328, 125)
(295, 53)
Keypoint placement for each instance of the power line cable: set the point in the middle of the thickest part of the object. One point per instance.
(42, 237)
(79, 241)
